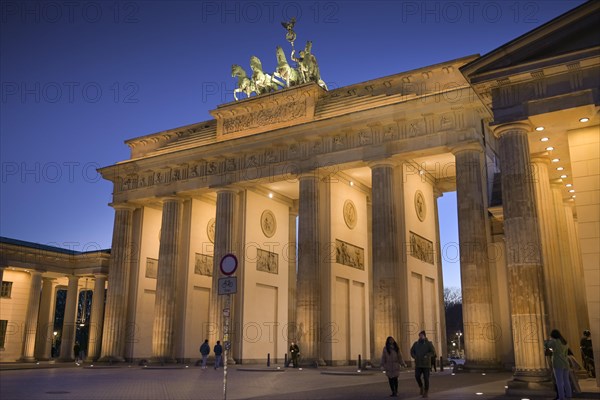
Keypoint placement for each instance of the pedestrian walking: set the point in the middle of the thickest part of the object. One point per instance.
(204, 351)
(422, 351)
(391, 360)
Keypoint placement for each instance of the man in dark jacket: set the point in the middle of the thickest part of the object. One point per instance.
(204, 350)
(422, 351)
(218, 349)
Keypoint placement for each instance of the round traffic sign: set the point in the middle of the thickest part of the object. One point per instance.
(228, 264)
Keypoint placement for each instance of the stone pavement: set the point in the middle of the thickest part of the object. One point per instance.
(66, 381)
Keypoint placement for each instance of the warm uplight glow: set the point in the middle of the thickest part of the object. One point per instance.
(544, 139)
(270, 195)
(539, 128)
(549, 148)
(559, 168)
(563, 176)
(584, 119)
(555, 159)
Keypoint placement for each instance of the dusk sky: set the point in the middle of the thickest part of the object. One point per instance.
(80, 78)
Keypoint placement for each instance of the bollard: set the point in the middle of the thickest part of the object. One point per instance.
(359, 362)
(441, 364)
(268, 359)
(286, 363)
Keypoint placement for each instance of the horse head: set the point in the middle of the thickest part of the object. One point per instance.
(236, 70)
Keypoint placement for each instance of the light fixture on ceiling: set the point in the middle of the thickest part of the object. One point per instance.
(572, 191)
(544, 139)
(549, 148)
(539, 128)
(569, 185)
(351, 183)
(555, 159)
(270, 195)
(559, 168)
(563, 176)
(584, 119)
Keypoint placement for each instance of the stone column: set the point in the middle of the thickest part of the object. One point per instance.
(579, 280)
(565, 284)
(31, 317)
(2, 268)
(555, 301)
(440, 277)
(69, 322)
(96, 318)
(523, 261)
(225, 242)
(121, 256)
(166, 280)
(291, 254)
(386, 257)
(308, 290)
(45, 337)
(480, 348)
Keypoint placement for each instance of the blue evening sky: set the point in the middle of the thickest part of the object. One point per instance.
(79, 78)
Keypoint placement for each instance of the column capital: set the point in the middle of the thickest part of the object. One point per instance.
(100, 275)
(471, 146)
(227, 189)
(386, 162)
(122, 206)
(522, 126)
(540, 158)
(172, 198)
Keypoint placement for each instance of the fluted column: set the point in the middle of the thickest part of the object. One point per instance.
(480, 349)
(31, 317)
(96, 318)
(386, 257)
(291, 254)
(69, 322)
(558, 312)
(566, 279)
(121, 256)
(308, 290)
(43, 342)
(225, 242)
(440, 275)
(523, 257)
(583, 321)
(166, 280)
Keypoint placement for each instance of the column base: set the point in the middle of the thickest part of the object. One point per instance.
(111, 359)
(28, 359)
(482, 367)
(312, 362)
(163, 360)
(531, 389)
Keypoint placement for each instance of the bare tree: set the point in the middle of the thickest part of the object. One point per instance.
(452, 297)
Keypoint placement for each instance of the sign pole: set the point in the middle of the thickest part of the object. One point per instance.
(227, 286)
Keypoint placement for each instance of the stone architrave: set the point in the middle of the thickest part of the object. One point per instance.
(96, 318)
(480, 349)
(166, 281)
(31, 317)
(523, 260)
(308, 295)
(121, 256)
(69, 327)
(386, 256)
